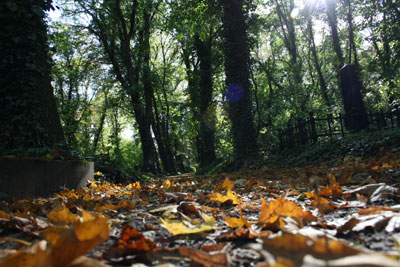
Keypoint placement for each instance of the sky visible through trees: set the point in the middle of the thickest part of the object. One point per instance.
(296, 49)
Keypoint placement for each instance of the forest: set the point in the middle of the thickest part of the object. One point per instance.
(175, 86)
(257, 116)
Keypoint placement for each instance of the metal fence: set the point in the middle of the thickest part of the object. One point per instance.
(302, 131)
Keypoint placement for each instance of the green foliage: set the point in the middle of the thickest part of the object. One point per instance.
(86, 83)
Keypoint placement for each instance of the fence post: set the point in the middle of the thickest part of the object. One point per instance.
(314, 135)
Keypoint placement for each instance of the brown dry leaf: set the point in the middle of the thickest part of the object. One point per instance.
(374, 210)
(348, 225)
(232, 196)
(324, 205)
(289, 246)
(326, 249)
(203, 258)
(62, 215)
(213, 247)
(127, 204)
(189, 210)
(105, 207)
(295, 246)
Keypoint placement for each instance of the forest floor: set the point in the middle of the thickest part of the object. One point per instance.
(327, 214)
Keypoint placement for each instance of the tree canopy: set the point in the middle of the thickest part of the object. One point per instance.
(171, 86)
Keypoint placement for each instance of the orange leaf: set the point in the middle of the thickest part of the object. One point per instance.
(4, 215)
(331, 191)
(281, 207)
(227, 185)
(35, 255)
(78, 240)
(62, 215)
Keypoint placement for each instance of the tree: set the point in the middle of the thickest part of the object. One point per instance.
(197, 26)
(28, 115)
(332, 21)
(237, 62)
(322, 83)
(116, 24)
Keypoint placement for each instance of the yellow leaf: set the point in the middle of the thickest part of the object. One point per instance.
(229, 196)
(135, 185)
(179, 228)
(235, 222)
(167, 184)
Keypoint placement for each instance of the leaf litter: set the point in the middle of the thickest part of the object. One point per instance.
(343, 215)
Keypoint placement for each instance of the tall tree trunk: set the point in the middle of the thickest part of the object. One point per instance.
(237, 59)
(352, 47)
(206, 107)
(289, 34)
(323, 87)
(117, 45)
(332, 21)
(28, 113)
(101, 125)
(147, 82)
(160, 127)
(194, 94)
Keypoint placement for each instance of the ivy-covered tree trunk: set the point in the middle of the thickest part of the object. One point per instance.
(206, 107)
(29, 120)
(236, 53)
(332, 21)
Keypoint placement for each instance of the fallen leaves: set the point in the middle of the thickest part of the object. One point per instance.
(272, 214)
(250, 217)
(229, 197)
(63, 244)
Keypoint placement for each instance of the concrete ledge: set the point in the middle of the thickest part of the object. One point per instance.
(40, 178)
